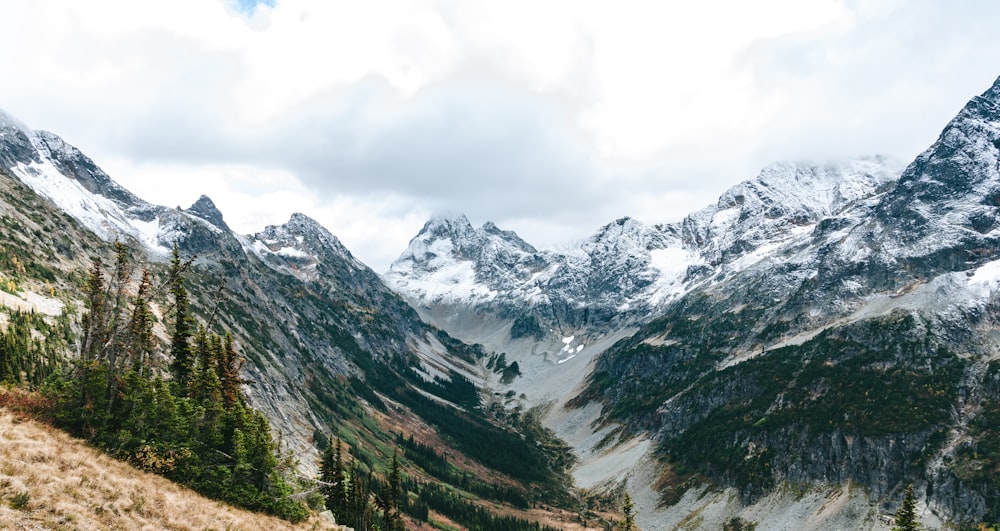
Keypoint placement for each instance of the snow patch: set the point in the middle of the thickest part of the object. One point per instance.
(987, 274)
(672, 264)
(442, 278)
(292, 252)
(100, 215)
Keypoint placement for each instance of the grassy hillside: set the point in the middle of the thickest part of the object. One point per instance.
(49, 480)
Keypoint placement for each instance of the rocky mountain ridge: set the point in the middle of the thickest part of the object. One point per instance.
(757, 378)
(824, 325)
(825, 329)
(329, 349)
(628, 270)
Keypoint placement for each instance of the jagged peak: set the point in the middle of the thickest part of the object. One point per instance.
(491, 229)
(299, 224)
(306, 226)
(205, 209)
(302, 237)
(449, 218)
(447, 224)
(625, 225)
(300, 221)
(627, 221)
(980, 117)
(990, 99)
(818, 187)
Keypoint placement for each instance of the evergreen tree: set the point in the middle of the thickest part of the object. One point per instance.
(906, 516)
(182, 365)
(334, 480)
(394, 498)
(628, 516)
(331, 476)
(142, 341)
(197, 429)
(206, 389)
(327, 463)
(116, 346)
(94, 329)
(229, 364)
(352, 512)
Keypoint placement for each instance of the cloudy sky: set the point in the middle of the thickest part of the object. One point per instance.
(548, 118)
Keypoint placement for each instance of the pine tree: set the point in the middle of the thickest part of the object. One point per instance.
(182, 365)
(142, 342)
(334, 480)
(906, 516)
(117, 297)
(394, 498)
(229, 364)
(94, 320)
(353, 512)
(628, 516)
(196, 429)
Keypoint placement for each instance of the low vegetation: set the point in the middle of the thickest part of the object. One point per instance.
(977, 461)
(849, 383)
(50, 480)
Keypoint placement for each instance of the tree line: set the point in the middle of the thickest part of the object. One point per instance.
(177, 409)
(194, 427)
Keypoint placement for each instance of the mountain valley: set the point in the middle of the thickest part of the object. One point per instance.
(793, 356)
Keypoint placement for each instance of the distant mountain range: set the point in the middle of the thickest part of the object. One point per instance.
(628, 270)
(794, 355)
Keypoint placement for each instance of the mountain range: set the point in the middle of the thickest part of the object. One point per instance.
(794, 355)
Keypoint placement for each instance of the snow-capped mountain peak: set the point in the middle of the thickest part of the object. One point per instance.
(72, 181)
(300, 247)
(956, 183)
(628, 268)
(785, 201)
(449, 260)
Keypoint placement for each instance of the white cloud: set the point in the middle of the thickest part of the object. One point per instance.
(551, 118)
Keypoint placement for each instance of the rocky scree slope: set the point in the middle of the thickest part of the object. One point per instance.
(864, 350)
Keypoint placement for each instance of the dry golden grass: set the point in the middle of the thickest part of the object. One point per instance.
(49, 480)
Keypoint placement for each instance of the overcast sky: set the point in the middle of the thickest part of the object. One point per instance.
(548, 118)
